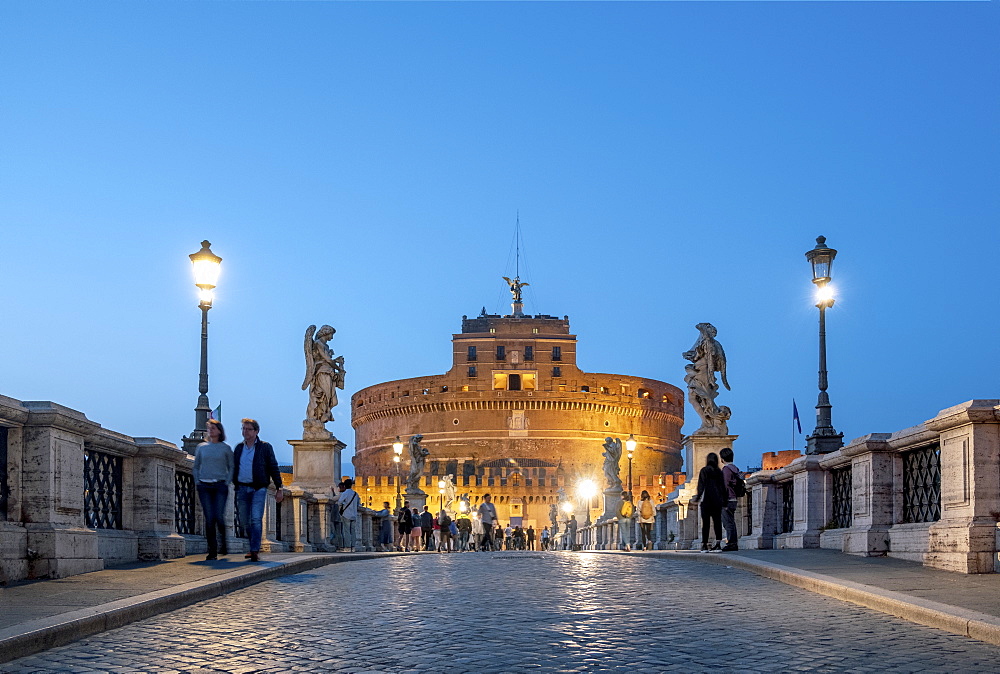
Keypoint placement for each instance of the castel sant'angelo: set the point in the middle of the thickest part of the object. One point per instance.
(516, 417)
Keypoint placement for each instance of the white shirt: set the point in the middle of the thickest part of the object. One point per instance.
(349, 500)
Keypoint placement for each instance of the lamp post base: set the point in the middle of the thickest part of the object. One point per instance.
(824, 443)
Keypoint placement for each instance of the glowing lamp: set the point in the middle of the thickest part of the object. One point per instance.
(630, 445)
(206, 267)
(821, 259)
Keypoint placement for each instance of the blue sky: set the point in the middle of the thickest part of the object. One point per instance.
(361, 164)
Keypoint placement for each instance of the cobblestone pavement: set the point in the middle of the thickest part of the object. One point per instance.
(518, 612)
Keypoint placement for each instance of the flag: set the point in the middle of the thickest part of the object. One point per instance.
(217, 413)
(795, 415)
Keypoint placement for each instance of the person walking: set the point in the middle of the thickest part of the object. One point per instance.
(444, 532)
(416, 533)
(498, 538)
(571, 527)
(427, 528)
(347, 504)
(647, 516)
(711, 497)
(477, 531)
(488, 518)
(465, 529)
(730, 475)
(545, 538)
(530, 533)
(404, 520)
(385, 528)
(213, 471)
(255, 468)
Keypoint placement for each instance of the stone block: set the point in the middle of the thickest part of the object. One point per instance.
(156, 546)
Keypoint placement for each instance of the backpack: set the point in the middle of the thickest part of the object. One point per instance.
(738, 484)
(627, 509)
(647, 510)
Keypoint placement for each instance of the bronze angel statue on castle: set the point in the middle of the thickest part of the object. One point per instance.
(324, 375)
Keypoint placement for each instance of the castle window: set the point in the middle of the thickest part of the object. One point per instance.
(515, 479)
(557, 372)
(472, 370)
(444, 389)
(556, 353)
(643, 393)
(501, 352)
(465, 388)
(493, 331)
(604, 390)
(514, 382)
(534, 331)
(472, 354)
(406, 393)
(585, 389)
(529, 353)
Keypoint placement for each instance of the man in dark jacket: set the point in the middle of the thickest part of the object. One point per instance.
(256, 468)
(427, 528)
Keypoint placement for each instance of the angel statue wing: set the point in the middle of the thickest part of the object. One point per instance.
(307, 346)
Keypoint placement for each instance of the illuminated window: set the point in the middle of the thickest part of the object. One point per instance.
(534, 331)
(643, 393)
(493, 331)
(556, 353)
(604, 390)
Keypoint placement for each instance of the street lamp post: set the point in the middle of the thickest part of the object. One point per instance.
(630, 447)
(206, 275)
(824, 438)
(587, 490)
(397, 453)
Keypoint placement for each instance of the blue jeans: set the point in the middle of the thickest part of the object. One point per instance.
(213, 501)
(250, 504)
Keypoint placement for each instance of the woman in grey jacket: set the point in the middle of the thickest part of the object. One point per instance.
(213, 471)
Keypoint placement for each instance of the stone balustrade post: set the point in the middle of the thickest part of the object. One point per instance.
(965, 538)
(297, 510)
(364, 541)
(269, 535)
(52, 503)
(765, 496)
(872, 482)
(13, 536)
(812, 502)
(321, 525)
(153, 499)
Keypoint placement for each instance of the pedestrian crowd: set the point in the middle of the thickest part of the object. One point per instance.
(480, 530)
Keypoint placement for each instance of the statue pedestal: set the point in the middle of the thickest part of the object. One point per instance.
(697, 447)
(316, 464)
(417, 501)
(612, 502)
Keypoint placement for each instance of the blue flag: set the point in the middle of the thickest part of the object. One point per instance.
(795, 415)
